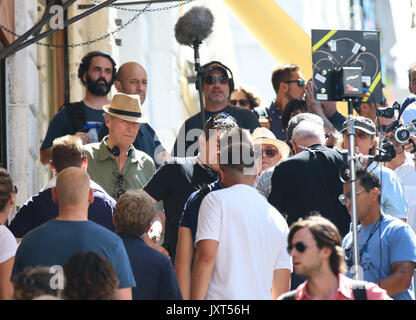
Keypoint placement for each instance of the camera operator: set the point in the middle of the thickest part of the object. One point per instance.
(393, 201)
(403, 165)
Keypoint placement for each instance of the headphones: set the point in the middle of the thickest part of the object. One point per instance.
(86, 62)
(116, 151)
(217, 65)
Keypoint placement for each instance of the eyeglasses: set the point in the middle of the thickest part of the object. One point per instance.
(241, 102)
(15, 189)
(299, 246)
(301, 82)
(120, 186)
(213, 79)
(343, 197)
(270, 152)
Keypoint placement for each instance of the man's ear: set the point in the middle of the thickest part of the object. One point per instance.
(91, 195)
(294, 148)
(54, 195)
(107, 121)
(283, 87)
(118, 86)
(84, 164)
(52, 166)
(326, 252)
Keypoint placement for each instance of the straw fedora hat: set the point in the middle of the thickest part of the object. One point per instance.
(126, 107)
(263, 135)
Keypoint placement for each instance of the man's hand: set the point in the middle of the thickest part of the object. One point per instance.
(410, 146)
(264, 123)
(84, 137)
(329, 108)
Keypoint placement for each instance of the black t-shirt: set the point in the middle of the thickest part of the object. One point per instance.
(186, 144)
(174, 182)
(309, 181)
(62, 125)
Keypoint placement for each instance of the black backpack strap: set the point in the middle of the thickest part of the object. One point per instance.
(76, 115)
(358, 288)
(288, 295)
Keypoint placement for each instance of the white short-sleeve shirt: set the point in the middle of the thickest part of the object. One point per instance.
(252, 242)
(8, 244)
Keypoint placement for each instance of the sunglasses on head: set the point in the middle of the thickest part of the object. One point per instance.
(241, 102)
(270, 152)
(223, 115)
(214, 79)
(299, 246)
(301, 82)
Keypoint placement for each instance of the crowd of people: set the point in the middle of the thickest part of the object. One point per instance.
(253, 204)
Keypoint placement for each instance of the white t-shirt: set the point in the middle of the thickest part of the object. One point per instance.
(407, 174)
(8, 244)
(252, 238)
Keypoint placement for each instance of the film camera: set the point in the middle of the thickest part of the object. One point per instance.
(401, 132)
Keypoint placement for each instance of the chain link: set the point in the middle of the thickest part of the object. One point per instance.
(137, 15)
(181, 3)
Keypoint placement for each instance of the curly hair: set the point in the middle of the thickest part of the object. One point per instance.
(253, 100)
(89, 276)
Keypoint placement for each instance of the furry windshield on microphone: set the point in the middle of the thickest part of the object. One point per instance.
(194, 26)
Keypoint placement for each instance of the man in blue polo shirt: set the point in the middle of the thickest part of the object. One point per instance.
(54, 242)
(67, 151)
(153, 271)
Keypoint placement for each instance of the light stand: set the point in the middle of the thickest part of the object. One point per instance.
(351, 151)
(199, 79)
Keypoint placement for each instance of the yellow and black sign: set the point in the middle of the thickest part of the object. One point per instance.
(334, 52)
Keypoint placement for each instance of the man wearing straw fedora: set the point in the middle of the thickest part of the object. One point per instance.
(114, 163)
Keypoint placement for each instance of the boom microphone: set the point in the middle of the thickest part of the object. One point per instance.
(194, 26)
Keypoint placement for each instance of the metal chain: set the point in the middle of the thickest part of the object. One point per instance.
(140, 11)
(181, 3)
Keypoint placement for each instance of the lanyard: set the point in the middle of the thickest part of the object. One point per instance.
(364, 247)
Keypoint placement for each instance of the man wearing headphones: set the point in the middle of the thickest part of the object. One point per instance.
(114, 163)
(217, 86)
(97, 72)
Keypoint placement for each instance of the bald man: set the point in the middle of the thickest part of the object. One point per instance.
(55, 241)
(132, 79)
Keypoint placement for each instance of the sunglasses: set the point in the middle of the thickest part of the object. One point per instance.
(299, 246)
(213, 79)
(120, 185)
(241, 102)
(301, 82)
(343, 197)
(270, 152)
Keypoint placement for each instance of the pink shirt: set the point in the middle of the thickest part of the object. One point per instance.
(345, 292)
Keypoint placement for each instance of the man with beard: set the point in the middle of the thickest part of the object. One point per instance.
(97, 72)
(217, 86)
